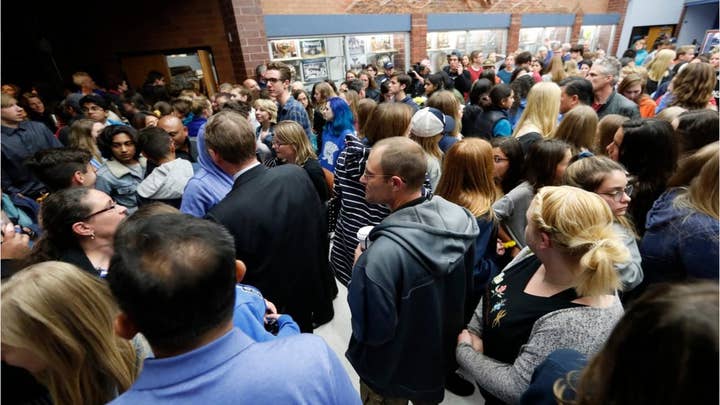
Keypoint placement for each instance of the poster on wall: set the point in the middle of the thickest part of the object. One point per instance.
(284, 49)
(356, 52)
(312, 48)
(712, 39)
(315, 70)
(381, 43)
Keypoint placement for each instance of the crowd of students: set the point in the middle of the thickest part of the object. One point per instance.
(589, 185)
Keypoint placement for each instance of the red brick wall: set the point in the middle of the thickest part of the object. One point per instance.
(418, 37)
(430, 6)
(617, 6)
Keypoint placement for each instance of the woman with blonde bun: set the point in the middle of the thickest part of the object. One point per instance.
(57, 323)
(608, 179)
(559, 292)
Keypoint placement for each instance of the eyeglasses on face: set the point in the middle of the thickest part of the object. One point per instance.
(618, 195)
(106, 209)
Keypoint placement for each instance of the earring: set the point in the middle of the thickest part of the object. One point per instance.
(92, 235)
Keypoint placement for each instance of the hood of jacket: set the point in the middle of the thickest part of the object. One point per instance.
(436, 233)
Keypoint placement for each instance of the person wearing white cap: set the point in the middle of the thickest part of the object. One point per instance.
(426, 128)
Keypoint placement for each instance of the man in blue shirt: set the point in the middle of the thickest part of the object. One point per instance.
(20, 140)
(278, 77)
(174, 279)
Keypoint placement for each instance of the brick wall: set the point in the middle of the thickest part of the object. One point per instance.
(418, 37)
(617, 6)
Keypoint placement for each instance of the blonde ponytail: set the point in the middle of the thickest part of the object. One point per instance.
(580, 224)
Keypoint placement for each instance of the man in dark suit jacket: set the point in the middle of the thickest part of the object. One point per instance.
(275, 216)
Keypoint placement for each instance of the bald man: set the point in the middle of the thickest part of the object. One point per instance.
(179, 134)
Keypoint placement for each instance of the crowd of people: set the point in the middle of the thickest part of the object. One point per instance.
(542, 226)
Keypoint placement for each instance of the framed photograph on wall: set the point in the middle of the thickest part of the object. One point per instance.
(712, 39)
(315, 70)
(284, 49)
(312, 48)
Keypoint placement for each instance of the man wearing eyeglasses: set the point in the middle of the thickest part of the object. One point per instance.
(407, 293)
(278, 77)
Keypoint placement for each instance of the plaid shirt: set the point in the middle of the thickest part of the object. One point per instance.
(294, 111)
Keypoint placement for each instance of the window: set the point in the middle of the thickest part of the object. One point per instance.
(439, 44)
(597, 36)
(532, 38)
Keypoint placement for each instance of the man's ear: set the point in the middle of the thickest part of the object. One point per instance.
(240, 270)
(124, 327)
(213, 155)
(77, 179)
(397, 182)
(80, 228)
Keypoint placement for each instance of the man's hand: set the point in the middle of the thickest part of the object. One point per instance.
(14, 245)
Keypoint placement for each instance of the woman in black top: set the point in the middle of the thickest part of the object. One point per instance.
(292, 145)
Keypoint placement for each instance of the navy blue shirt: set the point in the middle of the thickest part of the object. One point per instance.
(18, 144)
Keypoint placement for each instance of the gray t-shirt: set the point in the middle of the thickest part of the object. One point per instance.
(511, 209)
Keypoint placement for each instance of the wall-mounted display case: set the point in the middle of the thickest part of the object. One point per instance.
(597, 36)
(532, 38)
(318, 58)
(439, 44)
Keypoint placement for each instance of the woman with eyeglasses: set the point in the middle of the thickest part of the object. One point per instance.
(608, 179)
(648, 149)
(79, 225)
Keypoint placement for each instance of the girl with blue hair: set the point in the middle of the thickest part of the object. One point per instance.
(340, 123)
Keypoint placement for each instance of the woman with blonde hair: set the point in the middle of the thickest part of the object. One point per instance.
(321, 93)
(266, 115)
(348, 210)
(291, 145)
(659, 69)
(570, 69)
(467, 181)
(578, 129)
(446, 102)
(556, 70)
(83, 135)
(559, 292)
(57, 323)
(608, 179)
(540, 116)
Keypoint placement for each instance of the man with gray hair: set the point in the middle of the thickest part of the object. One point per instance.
(603, 75)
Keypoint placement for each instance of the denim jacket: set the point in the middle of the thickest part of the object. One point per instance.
(116, 180)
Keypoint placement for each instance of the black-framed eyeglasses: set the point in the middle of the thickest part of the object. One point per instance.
(618, 194)
(272, 79)
(106, 209)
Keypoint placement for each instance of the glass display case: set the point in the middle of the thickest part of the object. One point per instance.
(597, 36)
(315, 59)
(439, 44)
(533, 38)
